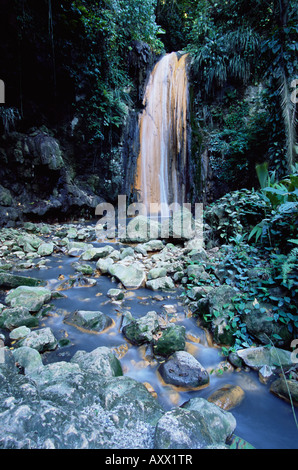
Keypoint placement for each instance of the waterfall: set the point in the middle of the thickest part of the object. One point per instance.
(163, 135)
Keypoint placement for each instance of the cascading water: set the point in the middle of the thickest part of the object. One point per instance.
(163, 135)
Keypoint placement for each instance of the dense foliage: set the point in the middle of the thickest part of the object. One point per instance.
(235, 44)
(256, 235)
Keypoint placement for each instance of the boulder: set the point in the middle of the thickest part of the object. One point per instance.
(116, 294)
(83, 268)
(45, 249)
(58, 381)
(170, 340)
(103, 265)
(93, 254)
(285, 389)
(15, 317)
(218, 304)
(33, 298)
(141, 229)
(154, 245)
(155, 273)
(142, 330)
(125, 252)
(19, 333)
(42, 340)
(227, 397)
(221, 423)
(256, 358)
(130, 400)
(180, 226)
(29, 242)
(11, 281)
(198, 292)
(181, 429)
(161, 283)
(100, 361)
(183, 370)
(260, 323)
(27, 358)
(77, 248)
(91, 320)
(132, 277)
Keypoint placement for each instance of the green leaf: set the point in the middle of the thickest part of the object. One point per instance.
(275, 335)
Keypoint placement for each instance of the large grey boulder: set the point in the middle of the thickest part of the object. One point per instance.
(42, 340)
(141, 229)
(132, 277)
(141, 330)
(101, 361)
(258, 357)
(170, 340)
(182, 429)
(27, 358)
(161, 283)
(93, 254)
(91, 320)
(184, 370)
(33, 298)
(46, 249)
(130, 400)
(15, 317)
(221, 423)
(11, 281)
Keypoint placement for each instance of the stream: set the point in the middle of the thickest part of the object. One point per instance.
(263, 419)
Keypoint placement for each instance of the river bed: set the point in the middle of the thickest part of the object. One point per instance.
(265, 421)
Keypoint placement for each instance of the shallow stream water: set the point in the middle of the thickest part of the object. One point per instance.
(265, 421)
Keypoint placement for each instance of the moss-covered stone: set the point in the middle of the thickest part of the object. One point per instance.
(172, 339)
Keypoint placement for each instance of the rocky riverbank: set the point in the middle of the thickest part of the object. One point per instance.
(88, 401)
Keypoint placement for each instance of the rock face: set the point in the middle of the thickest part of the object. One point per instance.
(183, 370)
(37, 174)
